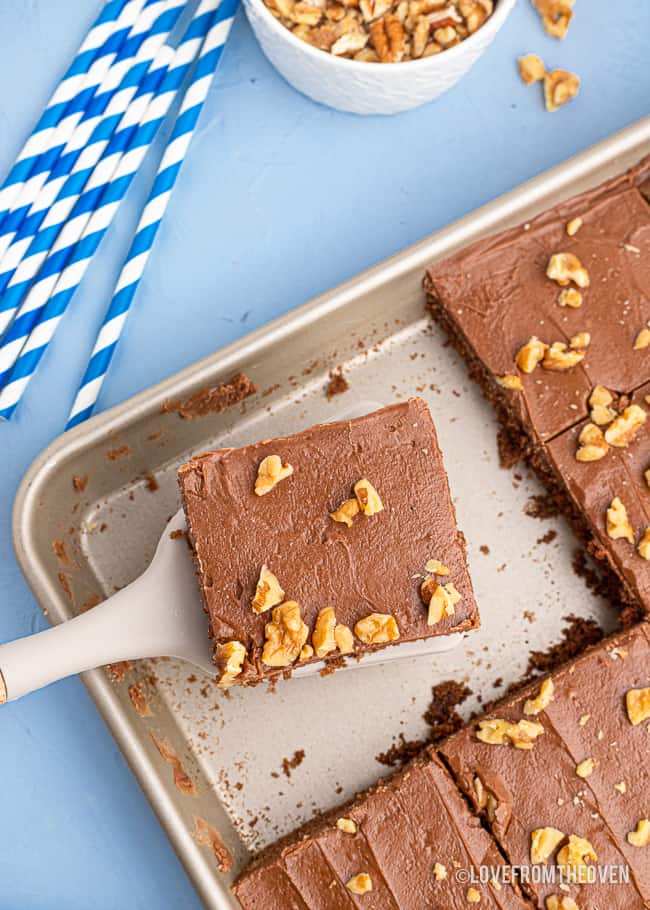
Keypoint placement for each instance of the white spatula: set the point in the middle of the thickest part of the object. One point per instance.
(158, 614)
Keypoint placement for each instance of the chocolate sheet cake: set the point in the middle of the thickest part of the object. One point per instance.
(554, 777)
(552, 319)
(336, 541)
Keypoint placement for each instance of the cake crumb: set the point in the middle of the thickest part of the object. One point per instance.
(542, 505)
(290, 764)
(91, 601)
(441, 715)
(212, 400)
(139, 701)
(151, 483)
(119, 669)
(118, 452)
(485, 550)
(549, 537)
(64, 581)
(337, 383)
(80, 483)
(401, 752)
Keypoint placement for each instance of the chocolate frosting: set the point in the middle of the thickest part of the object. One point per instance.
(374, 566)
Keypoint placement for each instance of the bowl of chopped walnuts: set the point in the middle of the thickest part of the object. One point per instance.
(375, 56)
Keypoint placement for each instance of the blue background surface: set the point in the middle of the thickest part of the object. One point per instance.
(279, 200)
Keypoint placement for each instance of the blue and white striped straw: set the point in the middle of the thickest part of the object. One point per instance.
(71, 272)
(65, 93)
(67, 125)
(111, 128)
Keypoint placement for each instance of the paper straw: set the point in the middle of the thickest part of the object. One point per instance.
(113, 116)
(65, 93)
(77, 256)
(74, 113)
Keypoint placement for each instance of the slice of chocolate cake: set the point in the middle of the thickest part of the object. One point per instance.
(337, 541)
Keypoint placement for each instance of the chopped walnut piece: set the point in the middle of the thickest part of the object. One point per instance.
(621, 786)
(270, 472)
(560, 902)
(473, 896)
(599, 402)
(579, 341)
(543, 842)
(346, 512)
(640, 837)
(346, 825)
(367, 497)
(285, 635)
(570, 297)
(511, 382)
(564, 268)
(558, 358)
(574, 858)
(646, 475)
(586, 767)
(439, 872)
(560, 86)
(531, 68)
(350, 42)
(618, 524)
(485, 799)
(306, 653)
(642, 340)
(377, 628)
(436, 567)
(556, 16)
(592, 443)
(268, 592)
(637, 703)
(343, 638)
(230, 655)
(573, 226)
(530, 354)
(521, 735)
(323, 635)
(359, 884)
(624, 428)
(442, 599)
(542, 700)
(387, 37)
(643, 547)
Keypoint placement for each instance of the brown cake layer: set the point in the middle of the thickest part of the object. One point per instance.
(495, 295)
(374, 566)
(549, 786)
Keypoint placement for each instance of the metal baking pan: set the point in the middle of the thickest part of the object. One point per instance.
(237, 749)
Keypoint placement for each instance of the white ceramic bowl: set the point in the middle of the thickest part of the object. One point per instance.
(368, 88)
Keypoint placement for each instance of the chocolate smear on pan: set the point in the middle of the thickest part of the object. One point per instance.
(213, 400)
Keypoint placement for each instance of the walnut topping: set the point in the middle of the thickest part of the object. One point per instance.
(557, 357)
(346, 825)
(442, 599)
(586, 767)
(592, 443)
(436, 567)
(359, 884)
(531, 68)
(346, 512)
(637, 702)
(599, 402)
(530, 354)
(367, 497)
(485, 800)
(564, 268)
(306, 653)
(268, 592)
(646, 475)
(643, 547)
(579, 341)
(560, 86)
(556, 16)
(617, 522)
(640, 837)
(439, 872)
(543, 841)
(574, 226)
(621, 786)
(560, 902)
(343, 638)
(542, 700)
(377, 628)
(624, 428)
(473, 896)
(270, 472)
(285, 635)
(508, 381)
(323, 635)
(570, 297)
(642, 340)
(231, 656)
(574, 858)
(521, 735)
